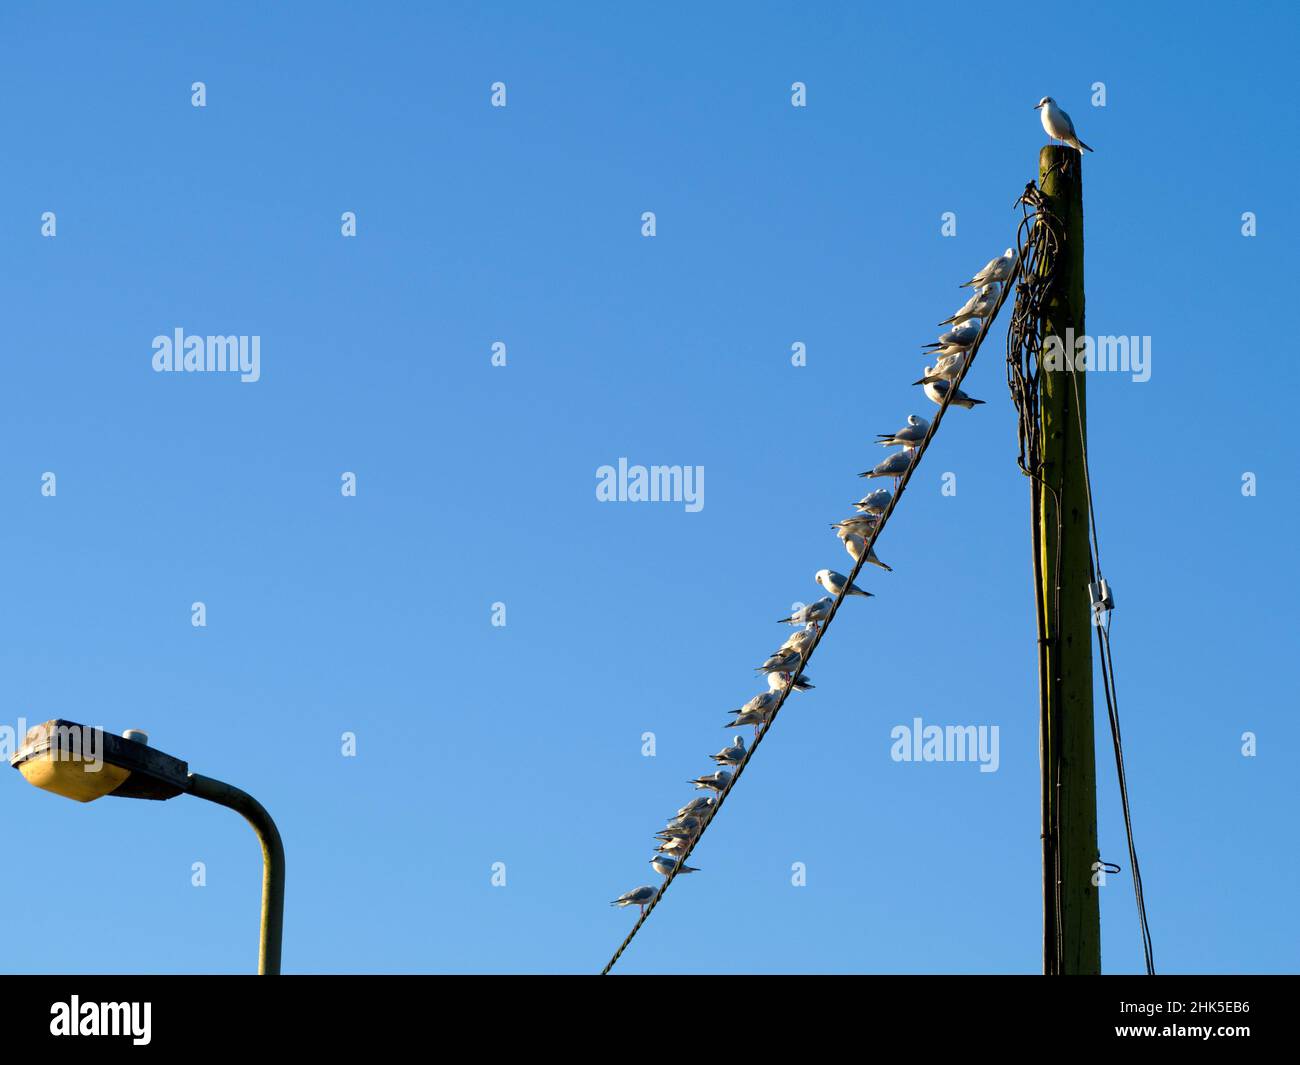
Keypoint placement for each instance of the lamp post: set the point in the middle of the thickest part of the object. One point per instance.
(85, 763)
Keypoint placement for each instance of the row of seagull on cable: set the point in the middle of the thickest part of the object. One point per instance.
(953, 352)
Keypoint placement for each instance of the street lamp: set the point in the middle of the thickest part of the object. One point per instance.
(85, 763)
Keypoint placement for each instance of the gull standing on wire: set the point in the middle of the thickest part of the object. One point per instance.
(800, 640)
(778, 681)
(665, 864)
(945, 369)
(894, 466)
(640, 896)
(1057, 124)
(812, 612)
(909, 436)
(714, 781)
(802, 683)
(936, 390)
(834, 582)
(782, 661)
(758, 710)
(956, 339)
(733, 755)
(695, 807)
(861, 524)
(979, 305)
(998, 269)
(854, 545)
(877, 500)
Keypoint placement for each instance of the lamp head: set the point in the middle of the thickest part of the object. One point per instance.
(85, 763)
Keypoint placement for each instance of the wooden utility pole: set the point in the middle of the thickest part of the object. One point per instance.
(1071, 917)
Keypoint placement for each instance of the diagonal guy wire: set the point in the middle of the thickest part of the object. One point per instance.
(870, 540)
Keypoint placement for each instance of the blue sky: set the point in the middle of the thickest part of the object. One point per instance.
(521, 744)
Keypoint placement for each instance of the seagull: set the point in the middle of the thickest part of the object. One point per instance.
(854, 543)
(799, 640)
(754, 719)
(957, 338)
(675, 834)
(835, 582)
(1057, 124)
(802, 683)
(945, 369)
(777, 682)
(640, 896)
(714, 781)
(894, 466)
(909, 436)
(674, 843)
(861, 524)
(694, 807)
(782, 661)
(979, 305)
(812, 612)
(732, 755)
(936, 390)
(758, 709)
(874, 503)
(664, 865)
(998, 269)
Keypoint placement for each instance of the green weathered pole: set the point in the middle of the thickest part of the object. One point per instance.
(272, 930)
(1072, 921)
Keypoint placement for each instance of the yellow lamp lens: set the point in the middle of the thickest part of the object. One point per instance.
(73, 779)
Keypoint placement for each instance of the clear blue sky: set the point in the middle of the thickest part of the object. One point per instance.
(479, 744)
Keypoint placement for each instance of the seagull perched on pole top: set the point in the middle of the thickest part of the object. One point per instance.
(1058, 125)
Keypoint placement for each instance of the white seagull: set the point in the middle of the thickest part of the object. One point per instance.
(834, 582)
(1057, 124)
(877, 500)
(957, 338)
(909, 436)
(732, 755)
(894, 466)
(640, 897)
(860, 524)
(947, 368)
(800, 640)
(998, 269)
(758, 711)
(979, 305)
(782, 661)
(812, 612)
(694, 807)
(664, 864)
(778, 681)
(854, 543)
(714, 781)
(936, 390)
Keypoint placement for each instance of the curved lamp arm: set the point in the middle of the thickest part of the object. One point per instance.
(268, 962)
